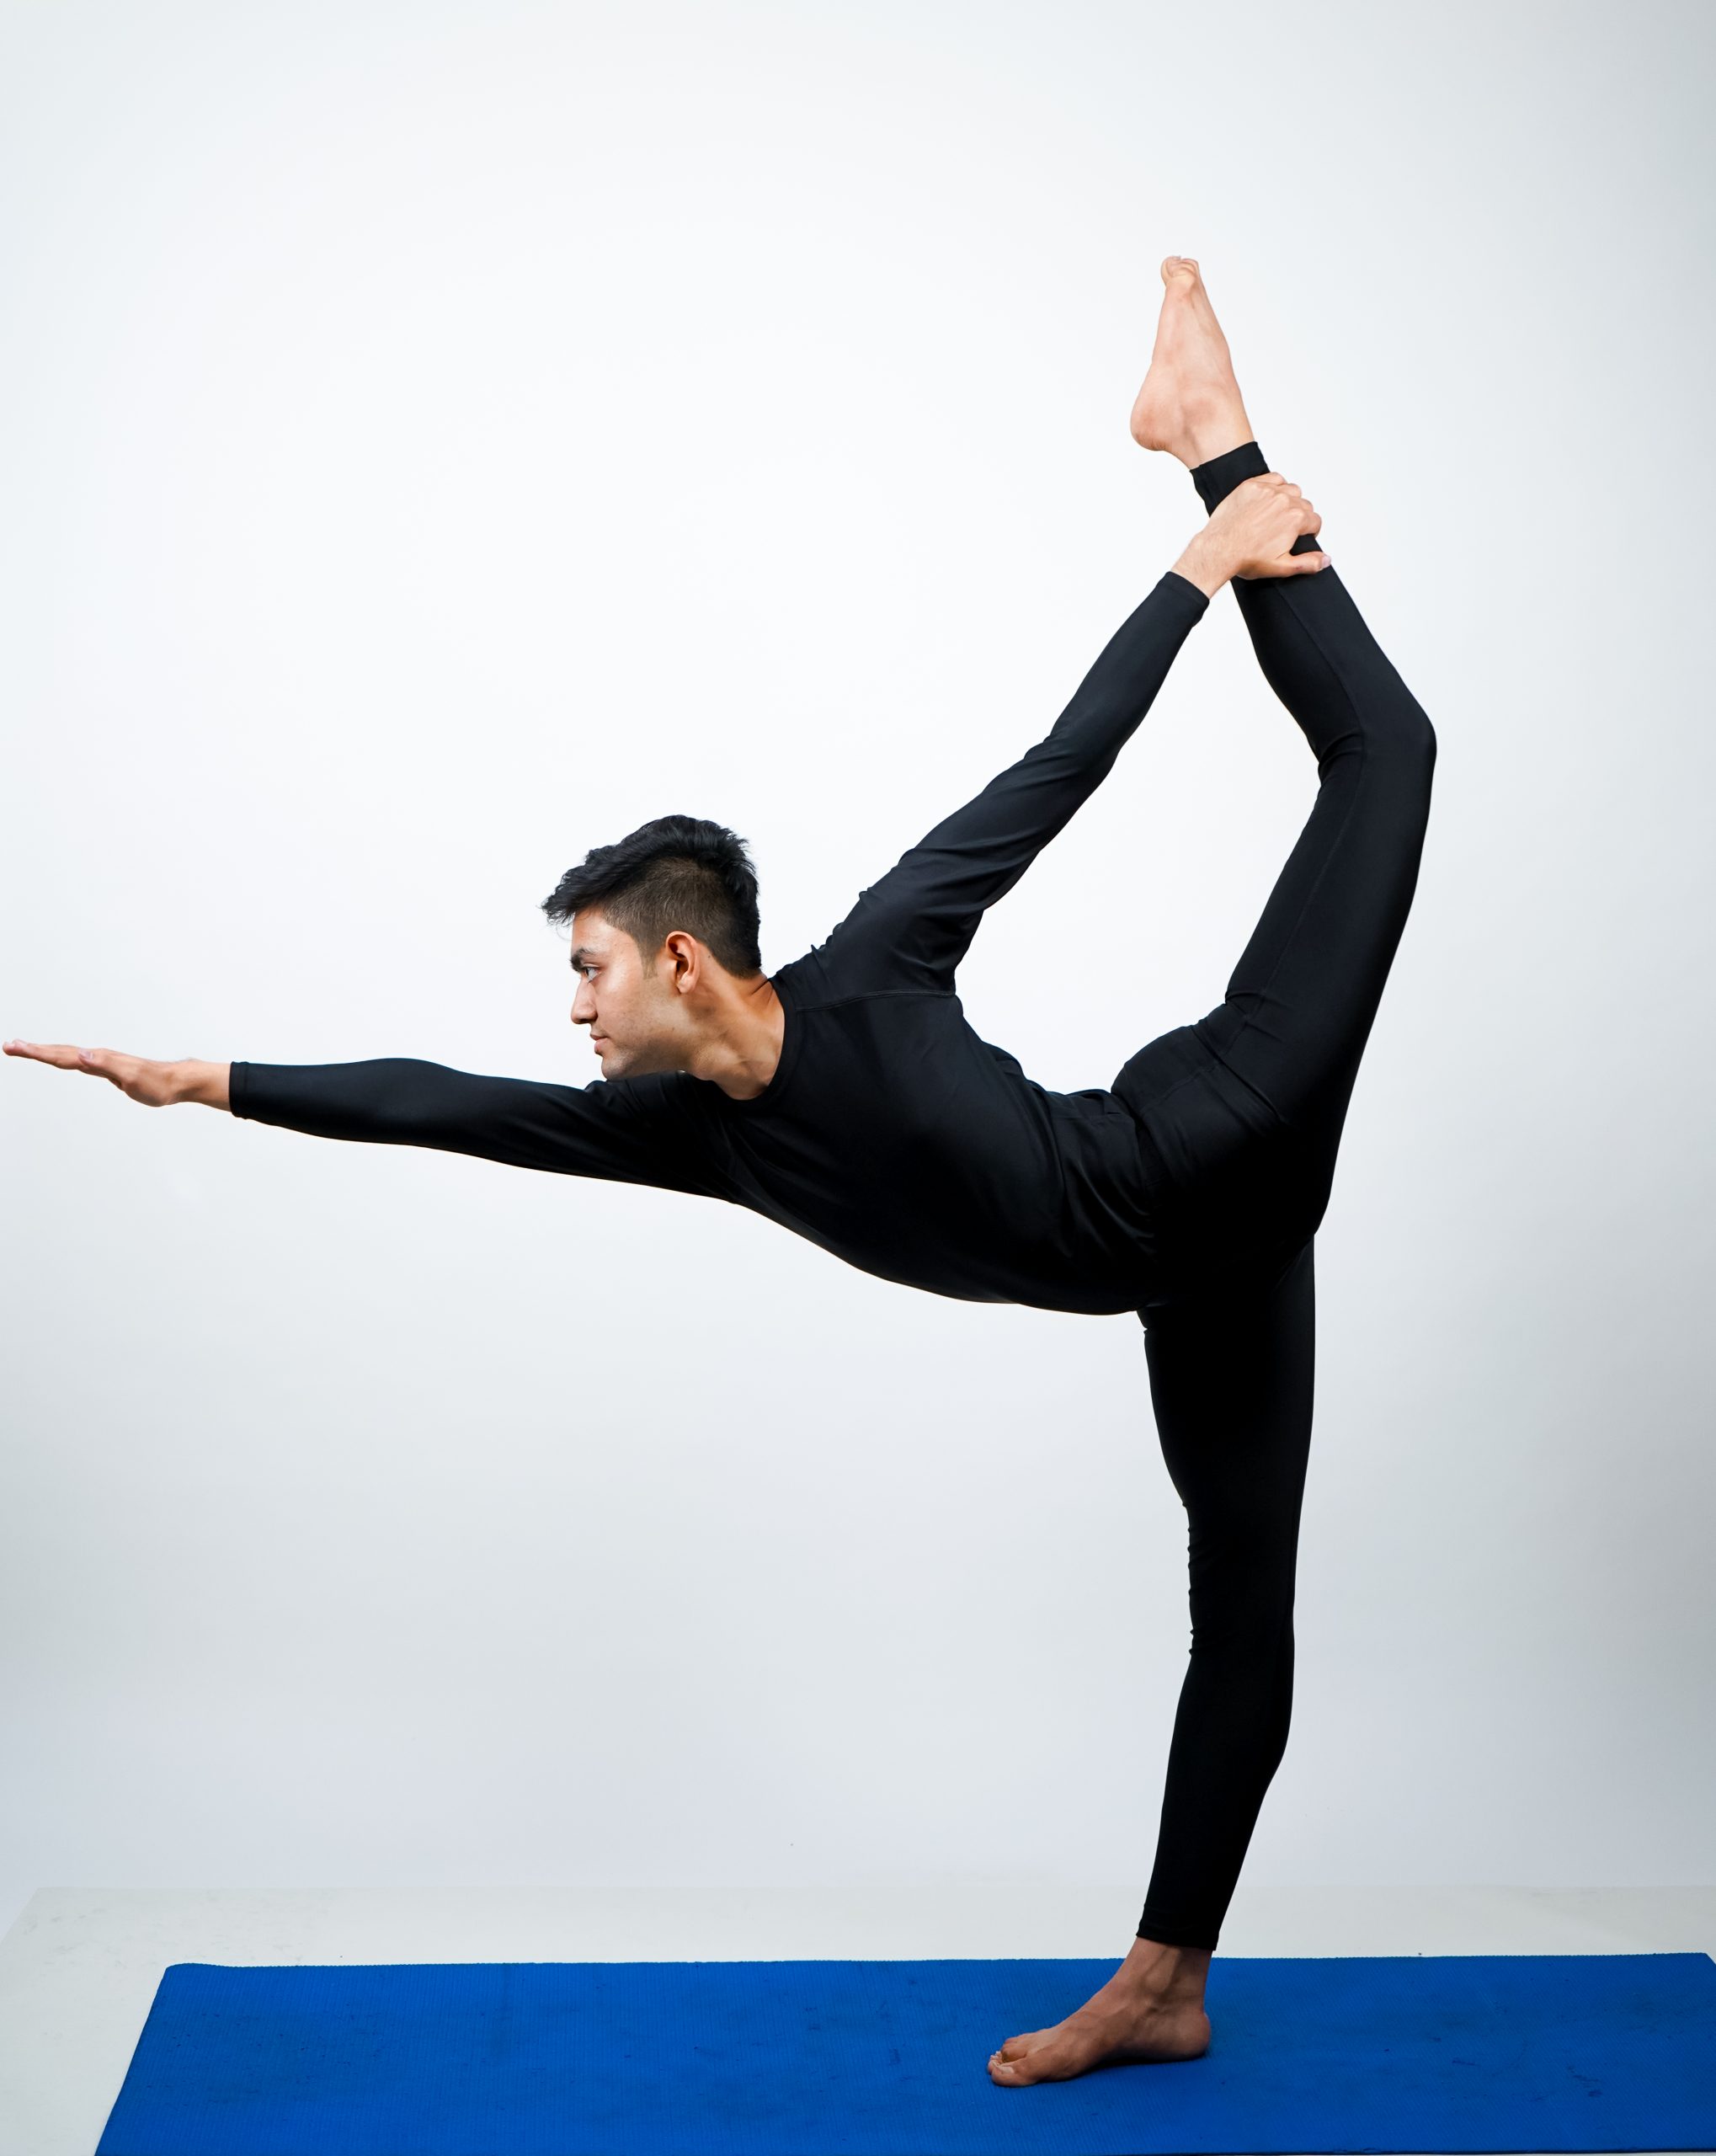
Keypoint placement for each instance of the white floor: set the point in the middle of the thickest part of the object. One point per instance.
(78, 1969)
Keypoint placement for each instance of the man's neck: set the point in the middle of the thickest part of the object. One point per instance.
(743, 1055)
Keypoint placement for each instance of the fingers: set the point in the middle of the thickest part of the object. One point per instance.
(1283, 491)
(1281, 486)
(1266, 523)
(61, 1054)
(118, 1069)
(1309, 519)
(1292, 565)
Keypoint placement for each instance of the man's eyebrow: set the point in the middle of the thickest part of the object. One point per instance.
(580, 952)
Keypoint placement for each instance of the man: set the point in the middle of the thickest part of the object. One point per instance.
(846, 1097)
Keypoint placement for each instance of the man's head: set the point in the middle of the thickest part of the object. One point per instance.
(664, 927)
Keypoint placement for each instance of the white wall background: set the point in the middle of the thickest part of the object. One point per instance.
(435, 438)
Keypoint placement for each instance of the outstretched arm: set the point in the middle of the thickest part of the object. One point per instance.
(624, 1130)
(912, 929)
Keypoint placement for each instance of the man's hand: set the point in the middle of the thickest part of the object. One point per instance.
(1250, 534)
(156, 1085)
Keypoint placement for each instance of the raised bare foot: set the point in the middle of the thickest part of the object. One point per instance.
(1149, 2012)
(1189, 403)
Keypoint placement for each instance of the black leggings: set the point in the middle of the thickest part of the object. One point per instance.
(1241, 1116)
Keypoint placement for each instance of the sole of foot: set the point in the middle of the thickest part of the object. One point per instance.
(1189, 403)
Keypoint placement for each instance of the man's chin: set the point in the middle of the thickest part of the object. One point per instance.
(643, 1059)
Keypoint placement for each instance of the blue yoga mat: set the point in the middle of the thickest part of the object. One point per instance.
(1535, 2051)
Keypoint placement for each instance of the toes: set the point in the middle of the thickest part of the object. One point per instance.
(1008, 2064)
(1047, 2062)
(1017, 2047)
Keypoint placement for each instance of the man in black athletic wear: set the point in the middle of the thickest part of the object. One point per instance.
(847, 1098)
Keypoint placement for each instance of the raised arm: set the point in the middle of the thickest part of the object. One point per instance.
(912, 929)
(625, 1130)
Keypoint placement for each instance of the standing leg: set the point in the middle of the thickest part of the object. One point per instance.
(1230, 1380)
(1231, 1383)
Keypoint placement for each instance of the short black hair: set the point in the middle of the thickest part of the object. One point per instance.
(673, 873)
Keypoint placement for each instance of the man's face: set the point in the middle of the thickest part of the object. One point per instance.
(635, 1019)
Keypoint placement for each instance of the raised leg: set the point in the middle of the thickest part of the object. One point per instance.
(1300, 1004)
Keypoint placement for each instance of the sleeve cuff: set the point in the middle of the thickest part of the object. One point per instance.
(1185, 588)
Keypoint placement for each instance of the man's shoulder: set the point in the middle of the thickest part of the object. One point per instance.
(804, 982)
(846, 968)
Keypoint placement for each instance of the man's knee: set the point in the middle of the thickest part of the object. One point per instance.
(1407, 737)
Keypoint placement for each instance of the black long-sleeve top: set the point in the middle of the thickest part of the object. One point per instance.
(890, 1134)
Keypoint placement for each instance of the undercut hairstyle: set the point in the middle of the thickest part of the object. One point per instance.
(675, 872)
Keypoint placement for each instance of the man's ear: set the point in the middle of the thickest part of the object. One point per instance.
(686, 957)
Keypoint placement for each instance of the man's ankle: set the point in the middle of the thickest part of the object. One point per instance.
(1211, 439)
(1160, 1966)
